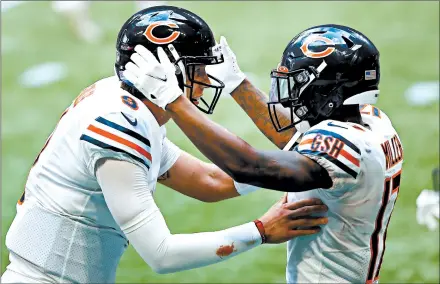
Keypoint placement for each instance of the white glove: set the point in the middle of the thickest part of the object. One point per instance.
(156, 80)
(428, 208)
(229, 72)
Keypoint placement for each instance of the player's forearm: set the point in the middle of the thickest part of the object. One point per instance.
(167, 253)
(203, 181)
(277, 170)
(215, 189)
(219, 186)
(226, 150)
(254, 103)
(127, 194)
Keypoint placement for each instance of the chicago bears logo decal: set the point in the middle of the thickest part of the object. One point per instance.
(130, 102)
(317, 54)
(282, 69)
(162, 40)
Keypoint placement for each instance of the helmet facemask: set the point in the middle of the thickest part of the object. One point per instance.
(186, 72)
(287, 87)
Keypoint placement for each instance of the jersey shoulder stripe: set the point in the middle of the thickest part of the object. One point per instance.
(346, 154)
(107, 134)
(109, 147)
(124, 130)
(341, 165)
(334, 147)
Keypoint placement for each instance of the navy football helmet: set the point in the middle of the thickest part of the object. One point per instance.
(323, 69)
(188, 33)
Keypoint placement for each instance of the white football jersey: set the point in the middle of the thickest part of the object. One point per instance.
(365, 166)
(63, 225)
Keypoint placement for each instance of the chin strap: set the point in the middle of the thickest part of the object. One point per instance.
(179, 62)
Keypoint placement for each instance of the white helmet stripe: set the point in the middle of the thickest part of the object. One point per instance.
(368, 97)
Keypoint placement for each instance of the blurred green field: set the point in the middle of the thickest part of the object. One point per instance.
(406, 33)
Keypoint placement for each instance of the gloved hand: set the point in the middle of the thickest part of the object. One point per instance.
(155, 79)
(428, 208)
(228, 72)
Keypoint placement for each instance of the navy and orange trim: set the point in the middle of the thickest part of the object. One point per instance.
(330, 159)
(111, 136)
(374, 241)
(124, 130)
(109, 147)
(391, 184)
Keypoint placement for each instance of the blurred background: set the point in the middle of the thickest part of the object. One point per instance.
(50, 53)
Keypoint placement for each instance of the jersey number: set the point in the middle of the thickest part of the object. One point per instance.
(391, 186)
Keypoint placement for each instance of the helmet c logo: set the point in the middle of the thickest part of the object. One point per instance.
(157, 40)
(314, 38)
(282, 69)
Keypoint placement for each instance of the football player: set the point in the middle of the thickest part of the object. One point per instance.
(90, 190)
(349, 154)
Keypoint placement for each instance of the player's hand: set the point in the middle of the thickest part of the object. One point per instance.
(228, 72)
(155, 79)
(428, 207)
(285, 221)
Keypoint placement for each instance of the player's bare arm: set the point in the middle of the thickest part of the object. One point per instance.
(127, 193)
(254, 102)
(284, 171)
(200, 180)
